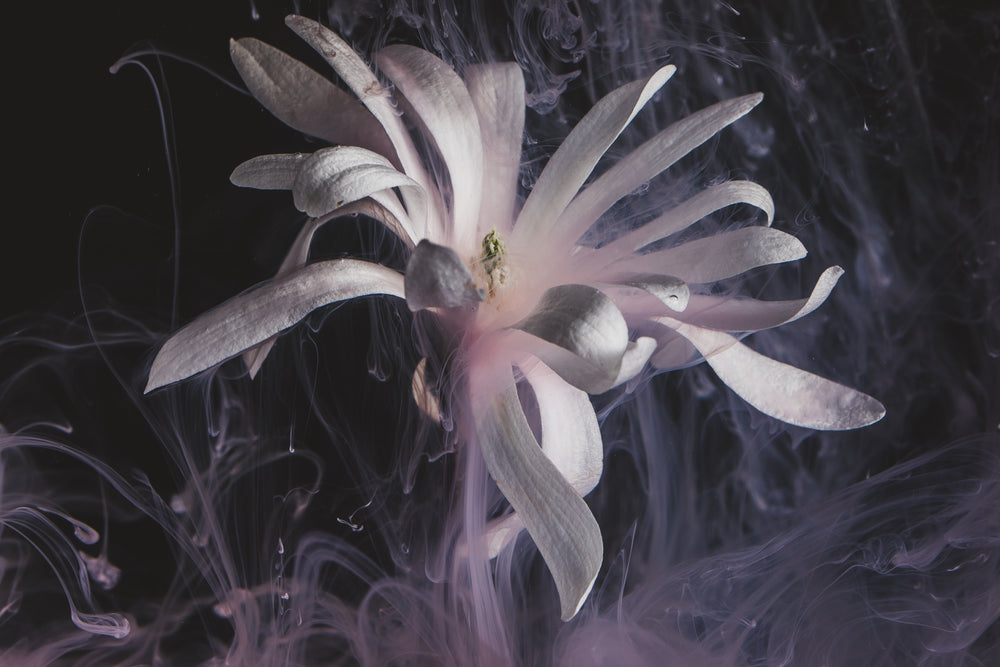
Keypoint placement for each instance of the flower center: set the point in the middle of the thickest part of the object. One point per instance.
(494, 262)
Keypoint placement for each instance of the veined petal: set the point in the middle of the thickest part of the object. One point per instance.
(718, 257)
(269, 172)
(436, 277)
(784, 392)
(692, 210)
(304, 100)
(742, 314)
(251, 318)
(557, 518)
(571, 439)
(580, 334)
(362, 82)
(298, 254)
(332, 177)
(648, 160)
(441, 101)
(497, 92)
(572, 163)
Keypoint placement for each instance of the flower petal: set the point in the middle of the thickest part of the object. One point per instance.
(718, 257)
(673, 350)
(362, 82)
(557, 518)
(571, 436)
(436, 277)
(737, 314)
(580, 334)
(305, 100)
(637, 354)
(648, 160)
(332, 177)
(423, 396)
(692, 210)
(784, 392)
(571, 439)
(441, 101)
(253, 317)
(669, 290)
(497, 92)
(269, 172)
(572, 163)
(298, 254)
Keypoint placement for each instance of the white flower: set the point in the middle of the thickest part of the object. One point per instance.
(514, 289)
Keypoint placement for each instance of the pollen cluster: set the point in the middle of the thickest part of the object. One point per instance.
(493, 261)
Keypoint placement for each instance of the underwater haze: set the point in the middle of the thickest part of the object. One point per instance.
(313, 515)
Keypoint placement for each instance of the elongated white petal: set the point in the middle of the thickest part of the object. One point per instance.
(362, 82)
(436, 277)
(557, 518)
(295, 258)
(304, 99)
(333, 177)
(571, 439)
(719, 257)
(580, 334)
(572, 163)
(497, 92)
(648, 160)
(784, 392)
(740, 314)
(251, 318)
(269, 172)
(668, 290)
(441, 101)
(298, 254)
(691, 211)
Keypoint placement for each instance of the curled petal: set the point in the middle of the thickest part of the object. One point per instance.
(269, 172)
(305, 100)
(637, 354)
(253, 317)
(719, 257)
(441, 101)
(648, 160)
(784, 392)
(332, 177)
(557, 518)
(571, 436)
(362, 82)
(572, 163)
(735, 314)
(436, 277)
(580, 334)
(571, 439)
(497, 92)
(298, 254)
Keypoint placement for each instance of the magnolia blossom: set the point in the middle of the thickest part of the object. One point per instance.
(517, 294)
